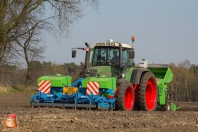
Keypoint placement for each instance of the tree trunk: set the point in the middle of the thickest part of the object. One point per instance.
(2, 30)
(27, 79)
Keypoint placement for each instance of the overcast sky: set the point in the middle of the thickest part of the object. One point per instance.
(165, 31)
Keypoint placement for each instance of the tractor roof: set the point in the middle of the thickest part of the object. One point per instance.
(113, 44)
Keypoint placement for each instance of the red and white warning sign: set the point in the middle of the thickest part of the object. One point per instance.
(92, 87)
(44, 86)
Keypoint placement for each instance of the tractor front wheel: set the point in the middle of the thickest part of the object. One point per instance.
(125, 96)
(147, 92)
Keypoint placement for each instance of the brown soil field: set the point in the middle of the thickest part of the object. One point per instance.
(46, 119)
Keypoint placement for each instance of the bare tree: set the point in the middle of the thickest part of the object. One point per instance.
(13, 14)
(183, 83)
(28, 47)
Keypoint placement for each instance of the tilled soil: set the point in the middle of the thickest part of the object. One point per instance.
(60, 119)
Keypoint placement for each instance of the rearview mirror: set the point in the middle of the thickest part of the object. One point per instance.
(132, 54)
(73, 53)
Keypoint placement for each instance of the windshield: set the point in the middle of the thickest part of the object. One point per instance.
(105, 56)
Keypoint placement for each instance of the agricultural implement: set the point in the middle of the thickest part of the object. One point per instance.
(119, 85)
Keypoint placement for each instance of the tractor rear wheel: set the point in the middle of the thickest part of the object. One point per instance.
(147, 96)
(125, 96)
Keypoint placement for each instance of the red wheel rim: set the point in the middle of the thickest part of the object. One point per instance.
(128, 98)
(151, 95)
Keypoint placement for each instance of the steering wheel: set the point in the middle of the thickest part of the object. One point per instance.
(100, 63)
(112, 63)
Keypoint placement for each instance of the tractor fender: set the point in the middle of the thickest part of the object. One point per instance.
(136, 75)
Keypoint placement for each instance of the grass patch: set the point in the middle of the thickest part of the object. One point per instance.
(17, 90)
(4, 89)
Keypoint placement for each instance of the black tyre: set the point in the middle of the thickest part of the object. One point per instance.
(125, 96)
(147, 96)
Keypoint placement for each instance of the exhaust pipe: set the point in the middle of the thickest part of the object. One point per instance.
(87, 56)
(120, 64)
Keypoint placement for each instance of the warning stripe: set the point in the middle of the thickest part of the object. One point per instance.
(44, 86)
(88, 91)
(92, 87)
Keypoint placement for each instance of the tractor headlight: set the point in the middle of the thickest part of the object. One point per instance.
(102, 44)
(123, 75)
(98, 44)
(112, 44)
(108, 44)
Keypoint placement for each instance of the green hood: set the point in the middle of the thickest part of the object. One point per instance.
(57, 80)
(101, 74)
(104, 82)
(98, 71)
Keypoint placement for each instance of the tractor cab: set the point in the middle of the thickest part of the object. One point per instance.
(114, 56)
(109, 59)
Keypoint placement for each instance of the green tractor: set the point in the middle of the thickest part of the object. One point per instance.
(140, 86)
(113, 81)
